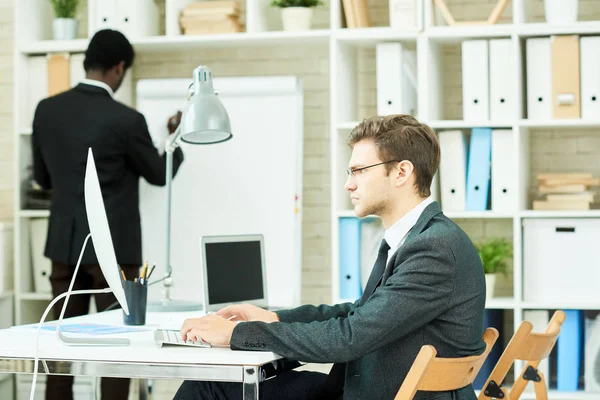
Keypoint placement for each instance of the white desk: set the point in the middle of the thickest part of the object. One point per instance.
(142, 359)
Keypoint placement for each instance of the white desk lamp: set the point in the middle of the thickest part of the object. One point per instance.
(204, 121)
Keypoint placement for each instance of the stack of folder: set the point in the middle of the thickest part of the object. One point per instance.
(209, 17)
(356, 13)
(565, 191)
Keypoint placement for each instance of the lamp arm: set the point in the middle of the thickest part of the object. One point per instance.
(170, 146)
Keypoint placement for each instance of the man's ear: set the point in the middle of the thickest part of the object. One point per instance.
(403, 171)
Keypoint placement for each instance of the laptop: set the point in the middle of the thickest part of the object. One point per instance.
(233, 271)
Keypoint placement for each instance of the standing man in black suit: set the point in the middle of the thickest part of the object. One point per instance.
(427, 287)
(64, 127)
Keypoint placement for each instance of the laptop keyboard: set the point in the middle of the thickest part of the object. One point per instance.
(172, 337)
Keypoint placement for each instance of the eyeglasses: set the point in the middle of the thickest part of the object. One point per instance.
(352, 172)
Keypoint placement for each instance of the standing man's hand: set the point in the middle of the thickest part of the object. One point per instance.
(247, 312)
(174, 122)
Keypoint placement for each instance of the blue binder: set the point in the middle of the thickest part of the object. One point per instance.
(492, 319)
(479, 169)
(349, 251)
(569, 352)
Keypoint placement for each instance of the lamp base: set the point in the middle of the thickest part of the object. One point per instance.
(174, 305)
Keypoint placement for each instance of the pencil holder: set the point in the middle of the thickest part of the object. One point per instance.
(136, 295)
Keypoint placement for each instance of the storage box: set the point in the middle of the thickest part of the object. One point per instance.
(6, 257)
(560, 259)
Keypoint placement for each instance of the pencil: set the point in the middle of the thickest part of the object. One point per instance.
(150, 273)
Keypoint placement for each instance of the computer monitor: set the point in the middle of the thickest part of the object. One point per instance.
(233, 271)
(98, 222)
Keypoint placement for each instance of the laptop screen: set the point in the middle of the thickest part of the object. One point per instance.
(233, 271)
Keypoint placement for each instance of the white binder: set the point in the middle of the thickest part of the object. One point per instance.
(453, 170)
(104, 14)
(77, 72)
(539, 79)
(589, 46)
(404, 14)
(502, 98)
(475, 80)
(133, 18)
(37, 88)
(504, 172)
(396, 80)
(41, 265)
(138, 18)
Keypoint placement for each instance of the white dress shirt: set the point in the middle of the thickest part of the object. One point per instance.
(396, 234)
(99, 84)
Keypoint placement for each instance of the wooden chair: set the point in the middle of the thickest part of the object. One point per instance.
(527, 346)
(432, 373)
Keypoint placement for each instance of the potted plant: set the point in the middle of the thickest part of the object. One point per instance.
(296, 15)
(494, 254)
(64, 26)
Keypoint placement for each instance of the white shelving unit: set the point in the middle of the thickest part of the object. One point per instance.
(346, 48)
(431, 43)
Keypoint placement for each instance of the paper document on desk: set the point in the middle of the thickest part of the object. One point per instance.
(89, 328)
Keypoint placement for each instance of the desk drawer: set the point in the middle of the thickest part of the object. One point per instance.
(560, 259)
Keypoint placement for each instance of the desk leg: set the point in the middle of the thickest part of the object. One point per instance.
(143, 388)
(251, 380)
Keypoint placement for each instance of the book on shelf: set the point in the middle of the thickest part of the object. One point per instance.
(565, 191)
(211, 17)
(356, 13)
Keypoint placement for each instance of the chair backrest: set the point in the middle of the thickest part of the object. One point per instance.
(436, 374)
(527, 346)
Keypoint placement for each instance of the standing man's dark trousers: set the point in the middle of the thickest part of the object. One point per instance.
(290, 385)
(88, 277)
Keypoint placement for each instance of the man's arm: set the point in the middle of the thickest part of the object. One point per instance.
(143, 157)
(40, 170)
(310, 313)
(417, 292)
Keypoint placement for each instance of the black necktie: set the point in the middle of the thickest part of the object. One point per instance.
(377, 271)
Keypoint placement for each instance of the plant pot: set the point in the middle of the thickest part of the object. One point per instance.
(64, 28)
(490, 284)
(561, 11)
(296, 18)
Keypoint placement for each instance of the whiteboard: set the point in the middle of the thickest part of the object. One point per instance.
(250, 184)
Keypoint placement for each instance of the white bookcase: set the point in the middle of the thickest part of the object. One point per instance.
(352, 88)
(440, 106)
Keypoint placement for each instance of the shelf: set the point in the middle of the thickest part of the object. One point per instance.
(461, 124)
(556, 395)
(459, 33)
(543, 29)
(347, 125)
(372, 36)
(34, 213)
(351, 213)
(560, 123)
(6, 295)
(54, 46)
(478, 214)
(500, 303)
(560, 305)
(560, 214)
(35, 296)
(175, 43)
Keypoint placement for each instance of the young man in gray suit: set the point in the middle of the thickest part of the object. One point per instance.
(427, 287)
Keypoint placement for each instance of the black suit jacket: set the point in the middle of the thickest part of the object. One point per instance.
(432, 292)
(64, 127)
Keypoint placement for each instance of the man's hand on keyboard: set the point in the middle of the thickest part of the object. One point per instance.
(210, 328)
(247, 312)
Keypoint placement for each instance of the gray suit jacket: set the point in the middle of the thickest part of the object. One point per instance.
(432, 292)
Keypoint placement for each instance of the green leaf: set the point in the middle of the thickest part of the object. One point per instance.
(494, 254)
(65, 8)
